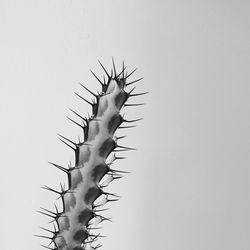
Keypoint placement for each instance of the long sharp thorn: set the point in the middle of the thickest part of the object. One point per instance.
(49, 215)
(113, 174)
(132, 126)
(102, 236)
(95, 228)
(122, 72)
(129, 93)
(117, 177)
(45, 229)
(115, 195)
(133, 104)
(100, 210)
(86, 120)
(127, 84)
(91, 241)
(119, 157)
(88, 90)
(51, 189)
(84, 99)
(47, 247)
(144, 93)
(53, 221)
(119, 171)
(104, 80)
(127, 76)
(97, 78)
(104, 69)
(104, 218)
(75, 122)
(65, 138)
(62, 189)
(123, 69)
(59, 167)
(112, 200)
(55, 228)
(114, 66)
(42, 236)
(118, 146)
(66, 144)
(56, 208)
(98, 246)
(120, 150)
(135, 120)
(120, 137)
(48, 211)
(77, 114)
(98, 235)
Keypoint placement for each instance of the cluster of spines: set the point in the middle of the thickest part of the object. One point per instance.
(96, 196)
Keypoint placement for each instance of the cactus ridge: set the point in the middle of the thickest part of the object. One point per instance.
(83, 200)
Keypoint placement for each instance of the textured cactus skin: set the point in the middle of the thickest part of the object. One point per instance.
(83, 199)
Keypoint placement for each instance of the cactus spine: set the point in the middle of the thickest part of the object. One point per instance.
(85, 196)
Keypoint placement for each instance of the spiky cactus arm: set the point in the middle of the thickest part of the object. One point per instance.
(80, 200)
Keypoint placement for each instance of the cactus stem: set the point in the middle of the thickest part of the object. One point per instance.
(84, 196)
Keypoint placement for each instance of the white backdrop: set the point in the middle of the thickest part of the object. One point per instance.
(189, 187)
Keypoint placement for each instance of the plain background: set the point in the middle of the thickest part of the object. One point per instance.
(190, 180)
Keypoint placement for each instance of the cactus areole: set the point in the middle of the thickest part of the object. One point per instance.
(83, 200)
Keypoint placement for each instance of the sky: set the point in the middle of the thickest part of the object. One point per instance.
(189, 187)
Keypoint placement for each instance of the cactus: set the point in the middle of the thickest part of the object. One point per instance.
(82, 201)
